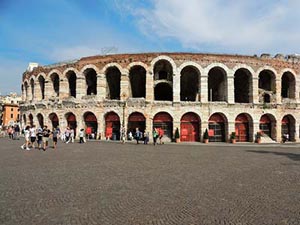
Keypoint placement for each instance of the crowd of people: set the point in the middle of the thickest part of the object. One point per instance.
(38, 138)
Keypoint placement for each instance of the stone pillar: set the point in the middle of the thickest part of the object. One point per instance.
(297, 127)
(38, 92)
(204, 88)
(48, 91)
(255, 90)
(124, 92)
(101, 86)
(149, 86)
(278, 91)
(204, 126)
(80, 87)
(278, 131)
(63, 88)
(230, 88)
(255, 128)
(29, 93)
(176, 87)
(231, 127)
(297, 89)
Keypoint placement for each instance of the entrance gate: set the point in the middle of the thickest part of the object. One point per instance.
(165, 122)
(136, 120)
(189, 127)
(216, 126)
(242, 128)
(112, 126)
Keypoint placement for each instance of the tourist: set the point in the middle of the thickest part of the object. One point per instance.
(72, 135)
(39, 137)
(81, 136)
(160, 135)
(32, 136)
(46, 134)
(130, 137)
(138, 135)
(17, 132)
(155, 135)
(27, 136)
(55, 134)
(146, 137)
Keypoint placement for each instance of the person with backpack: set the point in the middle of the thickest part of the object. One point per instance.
(138, 135)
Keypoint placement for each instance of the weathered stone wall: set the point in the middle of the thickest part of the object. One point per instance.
(99, 105)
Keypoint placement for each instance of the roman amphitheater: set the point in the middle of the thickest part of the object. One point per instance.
(189, 91)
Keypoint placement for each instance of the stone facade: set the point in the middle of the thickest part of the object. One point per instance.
(222, 90)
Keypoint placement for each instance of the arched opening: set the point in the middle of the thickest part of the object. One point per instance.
(288, 126)
(40, 120)
(163, 92)
(32, 88)
(71, 121)
(91, 125)
(137, 76)
(164, 121)
(189, 127)
(242, 86)
(217, 85)
(267, 125)
(42, 86)
(112, 126)
(267, 98)
(288, 85)
(217, 125)
(136, 120)
(113, 78)
(26, 86)
(54, 120)
(91, 81)
(163, 80)
(189, 84)
(55, 81)
(30, 120)
(24, 119)
(267, 81)
(71, 76)
(243, 128)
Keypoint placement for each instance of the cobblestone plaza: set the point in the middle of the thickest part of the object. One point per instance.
(183, 184)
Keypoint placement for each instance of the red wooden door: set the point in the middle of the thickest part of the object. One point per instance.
(241, 130)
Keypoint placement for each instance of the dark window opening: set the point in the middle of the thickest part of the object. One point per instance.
(91, 82)
(189, 84)
(267, 81)
(113, 77)
(288, 85)
(55, 82)
(137, 76)
(163, 71)
(42, 86)
(32, 88)
(267, 98)
(163, 92)
(242, 85)
(72, 84)
(217, 85)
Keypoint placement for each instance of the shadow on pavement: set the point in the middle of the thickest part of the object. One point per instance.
(292, 156)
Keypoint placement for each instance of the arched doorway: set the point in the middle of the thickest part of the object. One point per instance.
(217, 85)
(189, 84)
(137, 77)
(288, 85)
(288, 127)
(164, 121)
(112, 126)
(91, 124)
(54, 120)
(113, 79)
(71, 121)
(136, 120)
(242, 86)
(189, 127)
(163, 80)
(243, 124)
(40, 120)
(217, 125)
(267, 125)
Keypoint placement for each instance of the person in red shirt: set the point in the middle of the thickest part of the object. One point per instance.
(160, 135)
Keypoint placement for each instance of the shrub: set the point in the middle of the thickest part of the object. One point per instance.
(205, 135)
(232, 136)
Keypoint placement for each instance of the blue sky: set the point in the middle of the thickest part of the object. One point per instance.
(50, 31)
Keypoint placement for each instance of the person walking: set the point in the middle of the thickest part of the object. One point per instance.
(39, 137)
(155, 135)
(46, 134)
(81, 136)
(160, 135)
(137, 135)
(55, 134)
(17, 132)
(146, 137)
(27, 137)
(72, 135)
(32, 136)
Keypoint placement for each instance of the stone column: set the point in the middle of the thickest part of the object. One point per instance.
(176, 87)
(278, 91)
(204, 126)
(80, 87)
(255, 90)
(204, 88)
(231, 127)
(38, 92)
(255, 128)
(29, 93)
(63, 88)
(124, 85)
(297, 89)
(149, 86)
(230, 88)
(297, 126)
(101, 86)
(278, 131)
(48, 90)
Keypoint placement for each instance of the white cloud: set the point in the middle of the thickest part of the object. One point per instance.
(237, 26)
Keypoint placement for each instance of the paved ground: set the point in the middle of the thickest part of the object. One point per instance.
(110, 183)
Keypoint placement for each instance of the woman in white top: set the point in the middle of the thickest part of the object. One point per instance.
(32, 132)
(27, 136)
